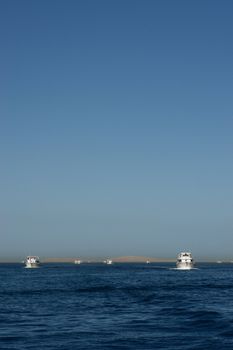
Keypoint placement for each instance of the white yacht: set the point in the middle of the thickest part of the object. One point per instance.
(109, 262)
(184, 261)
(32, 262)
(78, 262)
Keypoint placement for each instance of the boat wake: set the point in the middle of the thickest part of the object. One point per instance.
(180, 269)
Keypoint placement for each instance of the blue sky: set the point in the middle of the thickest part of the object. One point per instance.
(116, 128)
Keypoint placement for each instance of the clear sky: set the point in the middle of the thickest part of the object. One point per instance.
(116, 127)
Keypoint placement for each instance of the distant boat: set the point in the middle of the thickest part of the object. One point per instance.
(108, 262)
(219, 262)
(78, 262)
(32, 262)
(184, 261)
(148, 261)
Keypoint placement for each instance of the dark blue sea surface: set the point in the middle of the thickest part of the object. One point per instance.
(120, 306)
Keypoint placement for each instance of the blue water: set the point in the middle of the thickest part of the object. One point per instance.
(128, 306)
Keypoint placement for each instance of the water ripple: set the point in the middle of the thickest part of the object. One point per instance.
(120, 307)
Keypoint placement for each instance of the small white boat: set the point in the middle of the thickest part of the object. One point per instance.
(78, 262)
(109, 262)
(184, 261)
(148, 261)
(32, 262)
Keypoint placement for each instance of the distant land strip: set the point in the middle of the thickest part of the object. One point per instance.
(122, 259)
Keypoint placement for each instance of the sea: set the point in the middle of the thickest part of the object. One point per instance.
(119, 306)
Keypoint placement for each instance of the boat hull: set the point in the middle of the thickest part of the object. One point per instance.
(184, 267)
(32, 266)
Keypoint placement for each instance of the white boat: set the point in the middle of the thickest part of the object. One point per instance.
(32, 262)
(78, 262)
(184, 261)
(109, 262)
(148, 261)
